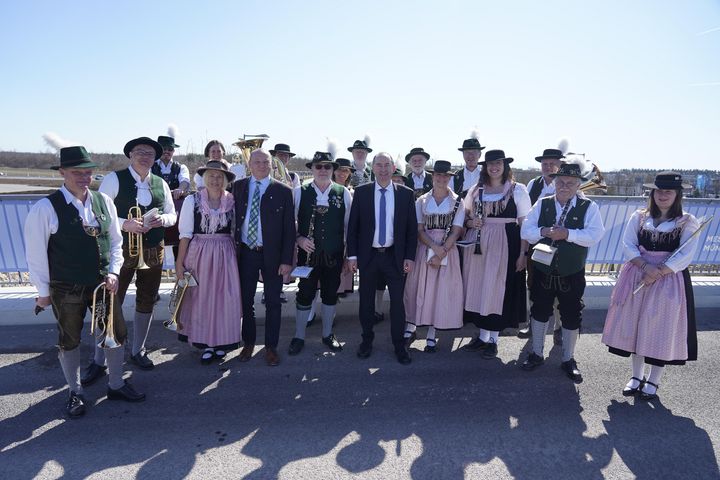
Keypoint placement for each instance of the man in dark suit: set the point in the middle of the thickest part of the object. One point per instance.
(265, 239)
(382, 246)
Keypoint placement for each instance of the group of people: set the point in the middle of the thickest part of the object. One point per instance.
(450, 247)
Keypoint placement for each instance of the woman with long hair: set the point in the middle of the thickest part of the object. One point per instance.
(656, 325)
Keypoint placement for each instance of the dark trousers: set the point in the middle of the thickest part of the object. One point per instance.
(70, 304)
(250, 264)
(568, 290)
(382, 267)
(147, 281)
(327, 273)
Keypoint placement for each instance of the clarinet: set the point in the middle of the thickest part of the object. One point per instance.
(479, 214)
(311, 235)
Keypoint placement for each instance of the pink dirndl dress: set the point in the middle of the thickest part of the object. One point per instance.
(434, 295)
(211, 313)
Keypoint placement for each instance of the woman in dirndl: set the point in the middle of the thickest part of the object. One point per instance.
(433, 289)
(494, 267)
(656, 325)
(210, 315)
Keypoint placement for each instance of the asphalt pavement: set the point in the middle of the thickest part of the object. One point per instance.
(319, 415)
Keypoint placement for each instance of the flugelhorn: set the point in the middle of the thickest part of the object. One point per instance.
(247, 144)
(176, 299)
(135, 240)
(103, 311)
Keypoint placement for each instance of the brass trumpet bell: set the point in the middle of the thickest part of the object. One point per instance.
(103, 311)
(176, 298)
(135, 240)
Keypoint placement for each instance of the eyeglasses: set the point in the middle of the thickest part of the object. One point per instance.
(321, 166)
(144, 153)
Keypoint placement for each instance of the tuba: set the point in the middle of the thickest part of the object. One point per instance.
(135, 240)
(103, 310)
(176, 298)
(247, 144)
(589, 170)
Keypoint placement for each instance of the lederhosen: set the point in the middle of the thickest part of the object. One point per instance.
(426, 187)
(329, 238)
(148, 280)
(565, 278)
(172, 234)
(78, 262)
(669, 242)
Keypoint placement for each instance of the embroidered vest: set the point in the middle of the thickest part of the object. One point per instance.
(172, 178)
(127, 197)
(570, 257)
(329, 229)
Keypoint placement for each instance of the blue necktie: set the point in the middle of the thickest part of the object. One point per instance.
(383, 208)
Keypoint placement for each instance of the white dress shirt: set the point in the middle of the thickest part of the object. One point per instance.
(111, 185)
(183, 176)
(418, 180)
(389, 215)
(631, 245)
(322, 200)
(469, 178)
(42, 221)
(547, 190)
(246, 223)
(426, 205)
(588, 236)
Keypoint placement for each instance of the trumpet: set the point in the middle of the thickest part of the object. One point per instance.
(103, 311)
(176, 298)
(135, 240)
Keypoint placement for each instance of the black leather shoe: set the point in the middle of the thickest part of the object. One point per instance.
(629, 392)
(364, 350)
(571, 370)
(524, 333)
(296, 346)
(557, 337)
(474, 346)
(489, 352)
(92, 374)
(142, 361)
(532, 362)
(75, 406)
(126, 392)
(379, 317)
(206, 357)
(431, 347)
(649, 396)
(332, 343)
(403, 357)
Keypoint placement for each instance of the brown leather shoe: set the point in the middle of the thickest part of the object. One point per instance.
(271, 357)
(246, 353)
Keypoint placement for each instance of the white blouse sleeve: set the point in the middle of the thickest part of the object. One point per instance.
(419, 210)
(522, 200)
(186, 224)
(459, 219)
(630, 240)
(685, 256)
(40, 223)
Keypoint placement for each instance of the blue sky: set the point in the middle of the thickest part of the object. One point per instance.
(632, 84)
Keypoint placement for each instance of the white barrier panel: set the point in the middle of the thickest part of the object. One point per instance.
(615, 213)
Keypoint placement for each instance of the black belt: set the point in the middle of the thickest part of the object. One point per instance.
(252, 249)
(383, 249)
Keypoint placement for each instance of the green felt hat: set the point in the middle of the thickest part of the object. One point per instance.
(74, 157)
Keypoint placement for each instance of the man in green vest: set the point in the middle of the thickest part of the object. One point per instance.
(73, 244)
(132, 188)
(565, 225)
(322, 210)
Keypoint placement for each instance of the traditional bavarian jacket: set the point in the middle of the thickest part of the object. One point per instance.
(125, 187)
(419, 184)
(666, 237)
(173, 173)
(465, 179)
(332, 212)
(71, 241)
(585, 229)
(537, 188)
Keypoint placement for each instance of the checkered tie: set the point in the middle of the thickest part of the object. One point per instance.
(252, 235)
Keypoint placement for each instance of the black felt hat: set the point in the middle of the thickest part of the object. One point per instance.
(550, 153)
(417, 151)
(360, 144)
(668, 181)
(471, 144)
(167, 142)
(143, 141)
(322, 157)
(74, 157)
(219, 166)
(441, 166)
(282, 148)
(344, 162)
(491, 155)
(569, 170)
